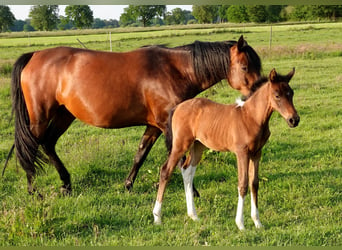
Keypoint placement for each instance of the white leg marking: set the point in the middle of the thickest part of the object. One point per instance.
(255, 213)
(188, 177)
(157, 213)
(239, 213)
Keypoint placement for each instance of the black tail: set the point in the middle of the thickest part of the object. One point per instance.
(168, 134)
(7, 159)
(26, 143)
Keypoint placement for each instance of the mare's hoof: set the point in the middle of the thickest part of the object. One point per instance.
(129, 185)
(65, 190)
(35, 192)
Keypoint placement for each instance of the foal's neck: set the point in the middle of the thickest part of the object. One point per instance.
(258, 106)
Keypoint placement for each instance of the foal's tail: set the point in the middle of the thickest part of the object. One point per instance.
(25, 142)
(168, 134)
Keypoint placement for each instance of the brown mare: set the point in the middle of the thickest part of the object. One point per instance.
(52, 87)
(199, 123)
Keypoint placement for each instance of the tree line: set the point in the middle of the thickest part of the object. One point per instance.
(46, 17)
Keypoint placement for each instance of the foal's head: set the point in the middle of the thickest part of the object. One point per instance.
(245, 67)
(281, 96)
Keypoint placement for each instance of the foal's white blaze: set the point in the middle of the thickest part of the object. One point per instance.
(188, 177)
(239, 102)
(255, 213)
(157, 213)
(239, 213)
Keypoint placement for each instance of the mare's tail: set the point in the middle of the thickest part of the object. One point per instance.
(168, 134)
(7, 159)
(25, 142)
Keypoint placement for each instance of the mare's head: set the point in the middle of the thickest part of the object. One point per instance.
(245, 67)
(281, 96)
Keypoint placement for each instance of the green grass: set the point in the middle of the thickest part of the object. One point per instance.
(300, 198)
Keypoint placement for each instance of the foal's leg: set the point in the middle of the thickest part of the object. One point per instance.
(176, 154)
(150, 136)
(254, 186)
(188, 173)
(57, 127)
(242, 160)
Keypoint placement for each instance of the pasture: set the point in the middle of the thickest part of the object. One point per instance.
(300, 194)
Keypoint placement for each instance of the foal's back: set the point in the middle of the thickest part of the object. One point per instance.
(211, 123)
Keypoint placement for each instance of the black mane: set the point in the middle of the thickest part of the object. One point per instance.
(256, 85)
(211, 60)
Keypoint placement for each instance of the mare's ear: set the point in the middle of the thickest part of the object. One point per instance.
(241, 43)
(273, 76)
(290, 75)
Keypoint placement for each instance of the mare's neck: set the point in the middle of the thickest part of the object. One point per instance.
(258, 106)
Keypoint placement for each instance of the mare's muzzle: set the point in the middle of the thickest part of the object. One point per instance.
(293, 121)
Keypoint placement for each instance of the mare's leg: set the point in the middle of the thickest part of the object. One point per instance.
(150, 136)
(188, 173)
(56, 128)
(243, 161)
(254, 186)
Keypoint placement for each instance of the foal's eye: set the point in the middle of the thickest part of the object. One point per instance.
(244, 68)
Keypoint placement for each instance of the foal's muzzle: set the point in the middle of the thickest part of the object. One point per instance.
(293, 121)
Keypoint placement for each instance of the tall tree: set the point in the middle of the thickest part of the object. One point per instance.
(143, 13)
(80, 15)
(257, 13)
(6, 18)
(274, 13)
(237, 14)
(222, 13)
(44, 17)
(179, 15)
(205, 13)
(326, 11)
(127, 18)
(176, 16)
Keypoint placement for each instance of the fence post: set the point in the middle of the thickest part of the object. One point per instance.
(270, 38)
(110, 41)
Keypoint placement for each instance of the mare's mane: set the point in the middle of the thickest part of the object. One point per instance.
(256, 85)
(211, 60)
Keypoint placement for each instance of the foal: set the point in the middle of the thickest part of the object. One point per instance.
(199, 123)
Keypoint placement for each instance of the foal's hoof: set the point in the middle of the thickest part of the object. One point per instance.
(129, 185)
(240, 225)
(65, 190)
(157, 220)
(194, 217)
(258, 225)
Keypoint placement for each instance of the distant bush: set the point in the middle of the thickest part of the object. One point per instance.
(6, 69)
(192, 21)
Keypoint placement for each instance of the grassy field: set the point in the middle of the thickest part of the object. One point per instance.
(300, 197)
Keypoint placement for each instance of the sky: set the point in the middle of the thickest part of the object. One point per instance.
(21, 12)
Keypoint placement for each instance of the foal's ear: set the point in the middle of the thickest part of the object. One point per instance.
(290, 74)
(273, 76)
(241, 43)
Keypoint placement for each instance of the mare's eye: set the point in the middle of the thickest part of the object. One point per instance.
(276, 95)
(244, 68)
